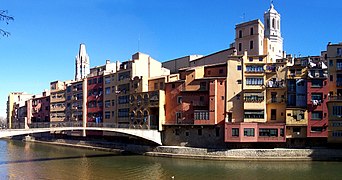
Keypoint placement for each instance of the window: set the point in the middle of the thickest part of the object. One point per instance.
(199, 132)
(252, 31)
(178, 117)
(240, 33)
(239, 81)
(317, 97)
(317, 83)
(239, 67)
(337, 111)
(255, 81)
(179, 99)
(268, 132)
(123, 99)
(273, 23)
(113, 102)
(201, 115)
(203, 86)
(254, 114)
(123, 112)
(273, 114)
(255, 69)
(177, 132)
(317, 129)
(331, 78)
(337, 133)
(217, 130)
(107, 90)
(317, 115)
(296, 130)
(251, 44)
(240, 47)
(107, 114)
(339, 52)
(235, 132)
(248, 132)
(331, 63)
(107, 103)
(282, 132)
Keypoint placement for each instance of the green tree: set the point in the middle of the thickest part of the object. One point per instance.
(6, 18)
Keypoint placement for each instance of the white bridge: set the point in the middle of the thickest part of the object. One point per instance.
(148, 134)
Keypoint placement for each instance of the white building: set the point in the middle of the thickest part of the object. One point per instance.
(82, 63)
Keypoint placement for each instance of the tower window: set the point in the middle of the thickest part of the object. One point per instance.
(273, 23)
(252, 31)
(240, 46)
(251, 45)
(240, 33)
(278, 25)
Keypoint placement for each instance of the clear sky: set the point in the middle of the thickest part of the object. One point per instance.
(46, 34)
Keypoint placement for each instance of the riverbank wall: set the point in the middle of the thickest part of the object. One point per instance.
(277, 154)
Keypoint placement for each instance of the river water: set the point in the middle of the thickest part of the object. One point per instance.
(20, 160)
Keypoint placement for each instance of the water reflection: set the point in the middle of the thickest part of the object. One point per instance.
(38, 161)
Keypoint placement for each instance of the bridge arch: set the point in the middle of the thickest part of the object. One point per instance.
(150, 135)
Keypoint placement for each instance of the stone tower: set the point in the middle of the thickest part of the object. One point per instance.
(82, 63)
(273, 34)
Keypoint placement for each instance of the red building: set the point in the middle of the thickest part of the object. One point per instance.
(317, 96)
(38, 108)
(95, 99)
(195, 106)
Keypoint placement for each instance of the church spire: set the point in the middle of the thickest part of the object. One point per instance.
(82, 65)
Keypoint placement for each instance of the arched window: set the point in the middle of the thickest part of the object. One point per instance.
(273, 23)
(278, 25)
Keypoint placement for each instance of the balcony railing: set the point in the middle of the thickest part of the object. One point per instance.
(335, 98)
(339, 83)
(276, 84)
(276, 100)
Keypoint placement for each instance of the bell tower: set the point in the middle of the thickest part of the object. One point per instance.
(273, 34)
(82, 65)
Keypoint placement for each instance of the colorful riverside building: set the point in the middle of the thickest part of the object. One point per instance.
(38, 109)
(131, 98)
(334, 58)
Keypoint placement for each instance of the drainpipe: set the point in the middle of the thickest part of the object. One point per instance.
(84, 106)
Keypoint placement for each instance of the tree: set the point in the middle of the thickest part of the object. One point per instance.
(6, 18)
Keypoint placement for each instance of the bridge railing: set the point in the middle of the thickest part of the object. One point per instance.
(89, 124)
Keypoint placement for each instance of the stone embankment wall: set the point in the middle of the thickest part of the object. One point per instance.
(248, 154)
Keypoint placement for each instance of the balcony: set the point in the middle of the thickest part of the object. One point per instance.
(276, 84)
(271, 69)
(335, 98)
(276, 100)
(338, 83)
(199, 103)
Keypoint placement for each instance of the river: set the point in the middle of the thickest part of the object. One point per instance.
(20, 160)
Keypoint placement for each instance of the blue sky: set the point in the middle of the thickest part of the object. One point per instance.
(46, 34)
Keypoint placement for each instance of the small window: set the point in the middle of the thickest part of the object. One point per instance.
(187, 133)
(199, 132)
(240, 33)
(239, 81)
(239, 67)
(331, 63)
(331, 78)
(252, 31)
(217, 129)
(179, 99)
(248, 132)
(235, 132)
(240, 47)
(251, 43)
(177, 132)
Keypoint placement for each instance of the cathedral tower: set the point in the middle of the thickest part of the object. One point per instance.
(273, 34)
(82, 63)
